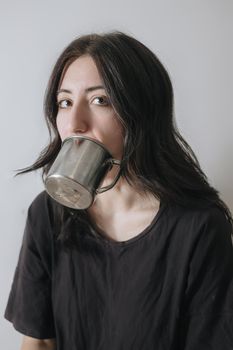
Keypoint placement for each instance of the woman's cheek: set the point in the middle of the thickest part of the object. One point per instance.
(60, 125)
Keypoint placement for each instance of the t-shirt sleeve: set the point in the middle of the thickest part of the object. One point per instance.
(207, 321)
(29, 305)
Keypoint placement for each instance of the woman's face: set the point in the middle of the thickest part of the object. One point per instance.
(84, 108)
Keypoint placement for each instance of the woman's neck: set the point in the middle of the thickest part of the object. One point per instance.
(123, 198)
(121, 212)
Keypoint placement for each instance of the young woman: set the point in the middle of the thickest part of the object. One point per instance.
(149, 264)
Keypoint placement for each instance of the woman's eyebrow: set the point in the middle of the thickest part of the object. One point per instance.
(91, 88)
(63, 90)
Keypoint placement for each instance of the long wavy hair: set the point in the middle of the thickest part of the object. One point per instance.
(156, 157)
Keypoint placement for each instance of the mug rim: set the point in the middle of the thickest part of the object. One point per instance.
(86, 138)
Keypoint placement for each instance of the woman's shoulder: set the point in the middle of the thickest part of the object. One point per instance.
(41, 200)
(42, 211)
(202, 214)
(210, 221)
(43, 205)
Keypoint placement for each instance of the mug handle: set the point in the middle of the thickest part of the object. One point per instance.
(105, 188)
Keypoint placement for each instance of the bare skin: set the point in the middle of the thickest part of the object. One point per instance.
(121, 213)
(30, 343)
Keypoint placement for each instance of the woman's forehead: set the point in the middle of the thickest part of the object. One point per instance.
(82, 71)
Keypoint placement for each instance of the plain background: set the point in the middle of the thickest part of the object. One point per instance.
(193, 39)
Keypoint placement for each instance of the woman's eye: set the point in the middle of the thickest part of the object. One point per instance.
(64, 103)
(101, 100)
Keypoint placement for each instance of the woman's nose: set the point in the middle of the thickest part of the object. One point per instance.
(78, 121)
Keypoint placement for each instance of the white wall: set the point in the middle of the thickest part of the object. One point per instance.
(192, 38)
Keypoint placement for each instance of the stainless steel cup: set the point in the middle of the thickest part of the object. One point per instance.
(76, 175)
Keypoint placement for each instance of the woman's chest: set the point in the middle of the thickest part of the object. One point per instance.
(112, 292)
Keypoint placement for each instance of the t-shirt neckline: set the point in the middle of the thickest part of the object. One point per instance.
(139, 236)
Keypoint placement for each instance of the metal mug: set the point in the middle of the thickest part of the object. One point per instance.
(75, 177)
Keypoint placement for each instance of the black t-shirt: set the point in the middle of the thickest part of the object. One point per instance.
(168, 288)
